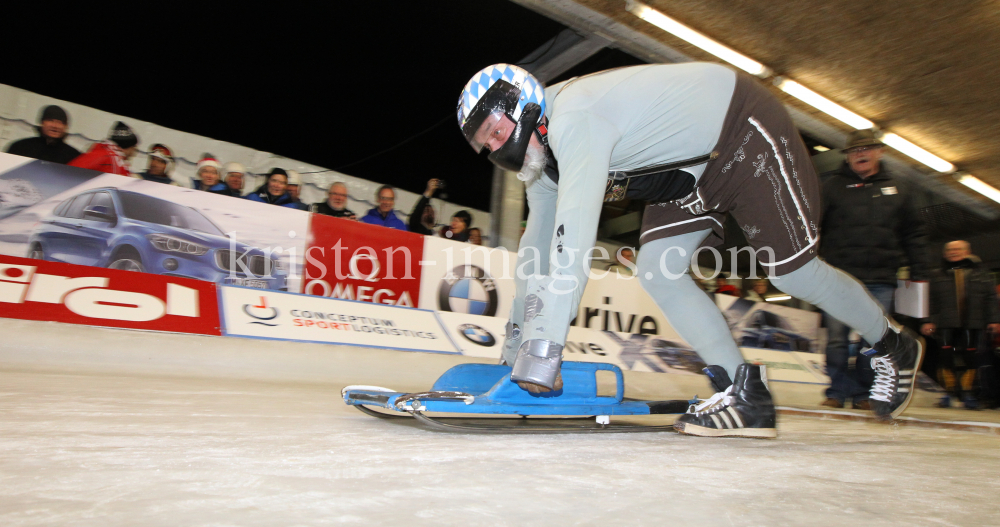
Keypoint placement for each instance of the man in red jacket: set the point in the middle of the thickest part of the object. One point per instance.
(112, 155)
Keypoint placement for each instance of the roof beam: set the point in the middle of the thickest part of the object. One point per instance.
(621, 36)
(560, 53)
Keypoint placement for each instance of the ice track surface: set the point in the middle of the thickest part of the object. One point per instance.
(182, 448)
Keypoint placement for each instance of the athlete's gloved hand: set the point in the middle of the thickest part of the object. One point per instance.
(537, 388)
(538, 366)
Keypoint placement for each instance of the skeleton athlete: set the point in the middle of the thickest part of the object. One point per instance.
(696, 141)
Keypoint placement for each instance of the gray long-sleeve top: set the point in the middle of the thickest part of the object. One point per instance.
(620, 120)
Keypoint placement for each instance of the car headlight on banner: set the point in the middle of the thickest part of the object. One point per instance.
(172, 244)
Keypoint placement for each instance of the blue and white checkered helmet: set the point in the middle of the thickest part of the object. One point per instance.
(500, 87)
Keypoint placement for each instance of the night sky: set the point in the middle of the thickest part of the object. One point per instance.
(329, 86)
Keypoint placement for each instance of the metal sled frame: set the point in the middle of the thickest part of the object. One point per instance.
(492, 404)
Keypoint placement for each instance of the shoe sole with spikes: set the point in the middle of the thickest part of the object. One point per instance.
(702, 431)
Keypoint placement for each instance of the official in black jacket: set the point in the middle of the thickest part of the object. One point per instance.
(871, 227)
(963, 304)
(49, 145)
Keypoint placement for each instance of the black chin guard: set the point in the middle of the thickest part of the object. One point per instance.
(510, 156)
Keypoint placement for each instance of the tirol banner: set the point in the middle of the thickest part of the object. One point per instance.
(64, 214)
(76, 294)
(355, 261)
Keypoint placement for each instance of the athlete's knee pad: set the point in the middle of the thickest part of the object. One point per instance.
(537, 362)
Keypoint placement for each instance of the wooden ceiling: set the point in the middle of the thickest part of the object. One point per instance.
(926, 70)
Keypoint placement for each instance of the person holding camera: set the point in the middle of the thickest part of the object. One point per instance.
(422, 219)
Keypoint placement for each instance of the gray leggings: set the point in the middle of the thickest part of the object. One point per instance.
(663, 269)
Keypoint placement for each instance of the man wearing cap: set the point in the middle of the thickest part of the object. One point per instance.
(871, 227)
(161, 162)
(233, 174)
(111, 155)
(293, 189)
(49, 145)
(208, 176)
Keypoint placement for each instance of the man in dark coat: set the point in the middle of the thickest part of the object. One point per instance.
(49, 145)
(336, 203)
(963, 304)
(871, 227)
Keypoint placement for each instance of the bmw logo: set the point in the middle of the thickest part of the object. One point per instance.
(477, 335)
(468, 289)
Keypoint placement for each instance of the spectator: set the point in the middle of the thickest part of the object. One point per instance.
(208, 176)
(758, 291)
(49, 145)
(336, 203)
(383, 214)
(294, 184)
(871, 227)
(111, 155)
(161, 163)
(459, 228)
(273, 190)
(233, 174)
(723, 287)
(963, 304)
(475, 236)
(422, 218)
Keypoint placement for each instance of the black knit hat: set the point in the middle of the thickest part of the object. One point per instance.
(277, 170)
(123, 136)
(54, 112)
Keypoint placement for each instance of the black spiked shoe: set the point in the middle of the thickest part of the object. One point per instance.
(896, 360)
(743, 409)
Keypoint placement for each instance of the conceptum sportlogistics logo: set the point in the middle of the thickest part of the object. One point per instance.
(468, 289)
(263, 312)
(477, 335)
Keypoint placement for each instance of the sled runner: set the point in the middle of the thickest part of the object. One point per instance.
(487, 401)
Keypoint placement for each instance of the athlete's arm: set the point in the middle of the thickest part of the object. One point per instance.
(582, 143)
(532, 254)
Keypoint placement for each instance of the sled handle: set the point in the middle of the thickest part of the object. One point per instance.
(619, 378)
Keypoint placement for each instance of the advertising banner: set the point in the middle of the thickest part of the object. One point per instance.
(768, 326)
(783, 366)
(355, 261)
(75, 294)
(70, 215)
(464, 278)
(271, 315)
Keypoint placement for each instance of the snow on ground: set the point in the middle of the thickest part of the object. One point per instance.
(108, 450)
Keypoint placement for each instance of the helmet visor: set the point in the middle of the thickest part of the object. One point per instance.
(485, 131)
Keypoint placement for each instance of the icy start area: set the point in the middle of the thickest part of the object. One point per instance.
(109, 450)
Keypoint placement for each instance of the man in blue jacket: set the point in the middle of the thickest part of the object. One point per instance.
(383, 213)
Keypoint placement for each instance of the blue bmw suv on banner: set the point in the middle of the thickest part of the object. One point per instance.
(108, 227)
